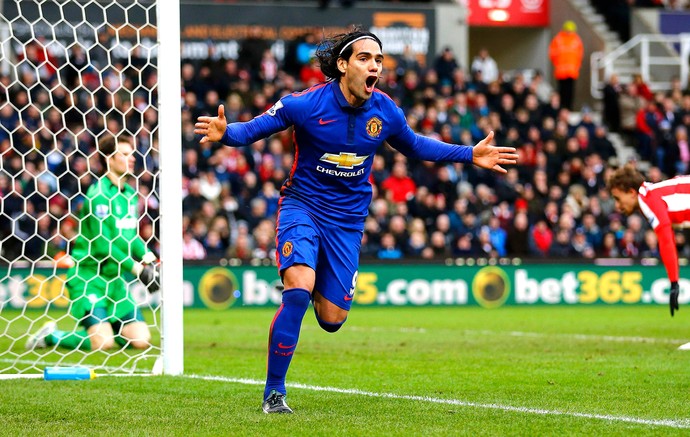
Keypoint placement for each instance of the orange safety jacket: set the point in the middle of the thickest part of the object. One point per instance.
(565, 52)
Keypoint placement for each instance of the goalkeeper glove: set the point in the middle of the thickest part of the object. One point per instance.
(150, 277)
(673, 297)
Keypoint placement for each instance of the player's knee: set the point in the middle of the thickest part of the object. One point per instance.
(99, 342)
(330, 325)
(137, 335)
(140, 343)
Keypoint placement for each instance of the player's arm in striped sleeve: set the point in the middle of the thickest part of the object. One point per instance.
(656, 211)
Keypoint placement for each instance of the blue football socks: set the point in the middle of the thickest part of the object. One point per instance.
(283, 336)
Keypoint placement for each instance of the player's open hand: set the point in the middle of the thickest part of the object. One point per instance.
(485, 155)
(673, 297)
(212, 128)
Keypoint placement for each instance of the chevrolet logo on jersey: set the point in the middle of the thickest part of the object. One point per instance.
(344, 159)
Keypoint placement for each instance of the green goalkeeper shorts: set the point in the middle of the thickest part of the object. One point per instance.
(100, 315)
(89, 291)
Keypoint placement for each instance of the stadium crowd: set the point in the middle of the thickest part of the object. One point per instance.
(553, 204)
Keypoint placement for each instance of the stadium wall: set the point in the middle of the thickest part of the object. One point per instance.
(489, 286)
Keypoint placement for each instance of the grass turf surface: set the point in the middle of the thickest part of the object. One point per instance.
(594, 370)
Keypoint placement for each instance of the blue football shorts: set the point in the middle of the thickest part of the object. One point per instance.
(331, 250)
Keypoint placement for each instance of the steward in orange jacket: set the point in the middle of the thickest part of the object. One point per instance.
(566, 51)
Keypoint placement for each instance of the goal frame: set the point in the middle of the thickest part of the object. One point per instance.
(171, 359)
(170, 143)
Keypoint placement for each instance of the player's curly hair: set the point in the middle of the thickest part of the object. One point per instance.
(331, 49)
(625, 178)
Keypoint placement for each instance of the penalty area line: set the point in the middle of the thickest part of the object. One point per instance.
(670, 423)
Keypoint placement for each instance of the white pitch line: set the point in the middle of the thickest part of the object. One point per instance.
(594, 337)
(612, 338)
(671, 423)
(382, 329)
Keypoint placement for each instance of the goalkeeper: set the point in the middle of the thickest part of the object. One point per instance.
(107, 247)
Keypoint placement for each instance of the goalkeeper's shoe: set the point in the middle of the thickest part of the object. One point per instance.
(38, 339)
(275, 403)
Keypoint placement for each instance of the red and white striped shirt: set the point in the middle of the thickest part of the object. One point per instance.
(666, 204)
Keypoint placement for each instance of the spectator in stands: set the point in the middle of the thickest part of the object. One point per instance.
(416, 244)
(389, 248)
(630, 102)
(540, 239)
(647, 127)
(540, 87)
(397, 226)
(601, 145)
(681, 151)
(581, 247)
(650, 245)
(213, 245)
(566, 52)
(517, 240)
(399, 187)
(310, 74)
(193, 200)
(485, 64)
(612, 107)
(209, 186)
(251, 52)
(642, 87)
(407, 62)
(191, 247)
(438, 247)
(562, 246)
(465, 246)
(609, 247)
(629, 247)
(497, 236)
(446, 65)
(242, 248)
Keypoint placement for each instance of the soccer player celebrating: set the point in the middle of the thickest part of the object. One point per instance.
(108, 245)
(338, 126)
(665, 204)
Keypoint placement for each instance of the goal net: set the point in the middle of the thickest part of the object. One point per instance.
(72, 73)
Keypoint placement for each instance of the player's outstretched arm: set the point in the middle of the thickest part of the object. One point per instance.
(212, 128)
(485, 155)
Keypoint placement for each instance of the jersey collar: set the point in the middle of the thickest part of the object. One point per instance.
(113, 188)
(344, 104)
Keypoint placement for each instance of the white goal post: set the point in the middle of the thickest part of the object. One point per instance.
(72, 72)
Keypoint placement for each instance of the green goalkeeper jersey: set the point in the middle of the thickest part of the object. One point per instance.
(107, 246)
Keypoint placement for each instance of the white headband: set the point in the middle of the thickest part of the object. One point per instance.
(353, 41)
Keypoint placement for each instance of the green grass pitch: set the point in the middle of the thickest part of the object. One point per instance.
(585, 370)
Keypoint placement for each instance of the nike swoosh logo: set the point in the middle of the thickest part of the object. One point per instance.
(322, 121)
(281, 346)
(348, 297)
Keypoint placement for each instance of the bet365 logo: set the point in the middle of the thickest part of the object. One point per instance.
(491, 287)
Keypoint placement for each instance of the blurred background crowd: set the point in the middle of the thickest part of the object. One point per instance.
(553, 204)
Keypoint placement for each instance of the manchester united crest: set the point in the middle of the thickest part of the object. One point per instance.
(287, 249)
(374, 126)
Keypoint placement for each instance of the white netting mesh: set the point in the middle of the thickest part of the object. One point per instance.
(70, 72)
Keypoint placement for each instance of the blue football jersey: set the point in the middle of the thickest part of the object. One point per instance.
(335, 145)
